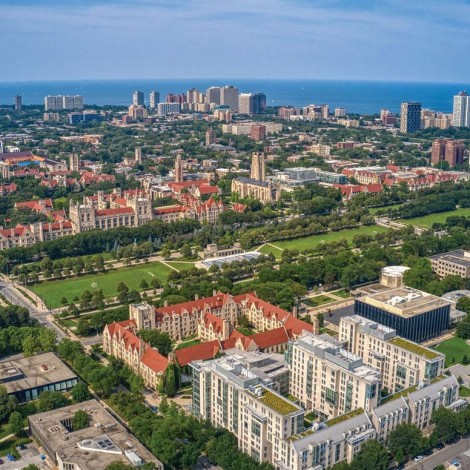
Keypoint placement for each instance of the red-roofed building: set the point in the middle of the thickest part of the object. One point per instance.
(8, 188)
(348, 191)
(41, 206)
(87, 178)
(120, 340)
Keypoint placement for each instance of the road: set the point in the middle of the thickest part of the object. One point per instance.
(8, 290)
(439, 457)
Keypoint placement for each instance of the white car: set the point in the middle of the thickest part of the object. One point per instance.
(418, 458)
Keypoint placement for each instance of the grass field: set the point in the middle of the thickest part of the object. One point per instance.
(53, 291)
(314, 240)
(427, 220)
(454, 349)
(344, 294)
(464, 392)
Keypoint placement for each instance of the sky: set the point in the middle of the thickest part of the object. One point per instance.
(415, 40)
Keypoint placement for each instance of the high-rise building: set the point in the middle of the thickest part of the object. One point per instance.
(18, 103)
(229, 97)
(178, 169)
(193, 96)
(340, 112)
(461, 111)
(259, 103)
(213, 95)
(449, 150)
(164, 109)
(325, 111)
(410, 117)
(258, 167)
(245, 103)
(138, 98)
(50, 117)
(154, 99)
(210, 137)
(63, 102)
(258, 132)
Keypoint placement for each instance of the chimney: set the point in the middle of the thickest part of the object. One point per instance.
(196, 297)
(225, 329)
(295, 312)
(214, 292)
(165, 303)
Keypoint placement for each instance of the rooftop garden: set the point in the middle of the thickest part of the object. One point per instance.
(399, 394)
(414, 348)
(345, 417)
(277, 403)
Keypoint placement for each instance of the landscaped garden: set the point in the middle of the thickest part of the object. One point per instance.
(318, 300)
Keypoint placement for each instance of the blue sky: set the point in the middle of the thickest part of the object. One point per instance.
(419, 40)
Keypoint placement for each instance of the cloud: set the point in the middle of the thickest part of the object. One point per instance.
(360, 39)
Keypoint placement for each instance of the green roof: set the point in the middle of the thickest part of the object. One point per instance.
(277, 403)
(414, 348)
(346, 416)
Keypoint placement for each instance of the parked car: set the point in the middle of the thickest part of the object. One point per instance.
(440, 446)
(418, 458)
(10, 458)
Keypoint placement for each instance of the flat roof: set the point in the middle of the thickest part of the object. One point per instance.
(104, 441)
(35, 371)
(459, 257)
(405, 301)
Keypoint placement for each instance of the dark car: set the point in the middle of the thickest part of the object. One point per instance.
(440, 446)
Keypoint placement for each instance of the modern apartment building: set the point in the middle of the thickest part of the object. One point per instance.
(239, 393)
(328, 379)
(164, 109)
(63, 102)
(229, 97)
(402, 363)
(138, 98)
(154, 99)
(452, 263)
(321, 150)
(450, 150)
(410, 117)
(213, 95)
(245, 392)
(461, 110)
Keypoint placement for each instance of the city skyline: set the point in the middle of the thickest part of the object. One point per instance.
(266, 39)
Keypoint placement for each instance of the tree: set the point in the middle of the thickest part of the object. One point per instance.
(372, 455)
(321, 320)
(8, 403)
(80, 420)
(164, 406)
(64, 301)
(157, 339)
(31, 466)
(186, 251)
(449, 425)
(144, 285)
(80, 392)
(15, 423)
(155, 283)
(406, 438)
(49, 400)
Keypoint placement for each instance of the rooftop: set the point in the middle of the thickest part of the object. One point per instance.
(460, 257)
(275, 401)
(405, 301)
(415, 348)
(31, 372)
(104, 441)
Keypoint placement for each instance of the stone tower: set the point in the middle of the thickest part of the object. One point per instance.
(258, 168)
(178, 169)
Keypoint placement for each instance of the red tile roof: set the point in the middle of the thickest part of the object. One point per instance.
(198, 352)
(270, 338)
(117, 211)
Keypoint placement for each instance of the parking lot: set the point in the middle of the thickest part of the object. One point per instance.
(29, 455)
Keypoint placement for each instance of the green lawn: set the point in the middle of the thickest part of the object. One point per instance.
(318, 300)
(267, 249)
(342, 293)
(464, 392)
(314, 240)
(454, 349)
(53, 291)
(427, 220)
(180, 265)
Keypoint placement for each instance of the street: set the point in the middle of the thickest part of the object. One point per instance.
(8, 290)
(439, 457)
